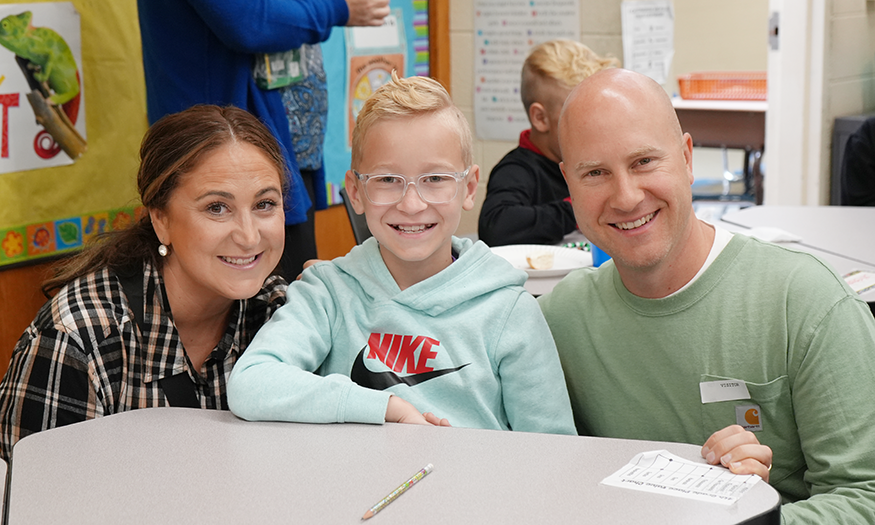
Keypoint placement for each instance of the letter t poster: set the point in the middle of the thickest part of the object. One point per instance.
(42, 100)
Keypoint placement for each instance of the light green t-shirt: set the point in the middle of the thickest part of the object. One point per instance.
(779, 320)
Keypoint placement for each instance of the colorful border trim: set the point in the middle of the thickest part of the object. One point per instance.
(420, 38)
(31, 242)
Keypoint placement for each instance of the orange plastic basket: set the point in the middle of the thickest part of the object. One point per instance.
(723, 85)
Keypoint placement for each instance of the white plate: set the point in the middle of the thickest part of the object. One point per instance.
(564, 259)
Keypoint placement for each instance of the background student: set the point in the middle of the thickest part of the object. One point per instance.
(413, 325)
(165, 307)
(858, 167)
(527, 200)
(684, 309)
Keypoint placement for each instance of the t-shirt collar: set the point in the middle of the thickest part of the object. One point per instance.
(526, 142)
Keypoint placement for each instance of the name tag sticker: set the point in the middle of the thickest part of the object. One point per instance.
(727, 390)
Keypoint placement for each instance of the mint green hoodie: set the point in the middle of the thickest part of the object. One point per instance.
(468, 344)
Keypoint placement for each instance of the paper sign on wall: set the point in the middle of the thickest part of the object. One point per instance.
(648, 37)
(373, 53)
(504, 32)
(42, 101)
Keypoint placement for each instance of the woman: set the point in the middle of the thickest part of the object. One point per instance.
(158, 314)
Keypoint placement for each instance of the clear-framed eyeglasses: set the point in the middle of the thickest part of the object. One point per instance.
(389, 188)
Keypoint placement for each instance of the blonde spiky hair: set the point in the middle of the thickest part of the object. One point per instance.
(407, 98)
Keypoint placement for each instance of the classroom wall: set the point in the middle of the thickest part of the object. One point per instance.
(715, 35)
(709, 35)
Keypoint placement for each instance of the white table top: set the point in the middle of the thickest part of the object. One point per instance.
(840, 230)
(174, 465)
(842, 265)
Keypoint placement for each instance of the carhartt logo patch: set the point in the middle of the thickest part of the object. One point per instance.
(749, 417)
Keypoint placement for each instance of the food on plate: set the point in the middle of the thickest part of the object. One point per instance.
(540, 260)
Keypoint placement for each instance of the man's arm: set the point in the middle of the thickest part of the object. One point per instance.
(833, 392)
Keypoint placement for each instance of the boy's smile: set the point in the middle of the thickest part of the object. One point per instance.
(414, 235)
(413, 229)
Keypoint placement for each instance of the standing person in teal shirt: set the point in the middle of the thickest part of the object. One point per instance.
(685, 308)
(414, 325)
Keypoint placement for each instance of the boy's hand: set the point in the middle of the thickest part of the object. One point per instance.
(367, 12)
(400, 411)
(436, 421)
(738, 450)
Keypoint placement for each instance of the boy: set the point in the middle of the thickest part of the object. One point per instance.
(413, 322)
(527, 201)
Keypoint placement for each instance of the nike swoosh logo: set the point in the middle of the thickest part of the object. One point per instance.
(383, 380)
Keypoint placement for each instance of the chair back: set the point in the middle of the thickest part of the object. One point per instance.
(358, 222)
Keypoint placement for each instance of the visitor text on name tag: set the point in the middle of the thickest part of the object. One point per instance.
(726, 390)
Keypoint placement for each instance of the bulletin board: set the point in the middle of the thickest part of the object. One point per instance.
(355, 65)
(47, 211)
(52, 210)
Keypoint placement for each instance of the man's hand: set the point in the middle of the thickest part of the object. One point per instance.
(367, 12)
(400, 411)
(738, 450)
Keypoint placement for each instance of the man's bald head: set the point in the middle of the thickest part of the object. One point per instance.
(621, 92)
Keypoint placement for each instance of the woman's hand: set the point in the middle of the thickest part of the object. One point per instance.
(400, 411)
(738, 450)
(308, 263)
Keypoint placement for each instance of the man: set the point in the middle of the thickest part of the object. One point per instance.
(691, 329)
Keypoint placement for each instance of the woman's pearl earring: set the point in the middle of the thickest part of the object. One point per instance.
(163, 250)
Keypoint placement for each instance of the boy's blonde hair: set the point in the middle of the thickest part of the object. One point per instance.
(407, 98)
(561, 61)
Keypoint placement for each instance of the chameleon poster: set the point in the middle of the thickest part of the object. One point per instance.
(42, 102)
(52, 206)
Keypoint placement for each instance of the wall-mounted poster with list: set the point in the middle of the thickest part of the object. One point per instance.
(504, 32)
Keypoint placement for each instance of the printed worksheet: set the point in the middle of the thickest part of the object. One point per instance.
(664, 473)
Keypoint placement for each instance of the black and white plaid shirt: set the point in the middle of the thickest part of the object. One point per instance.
(81, 357)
